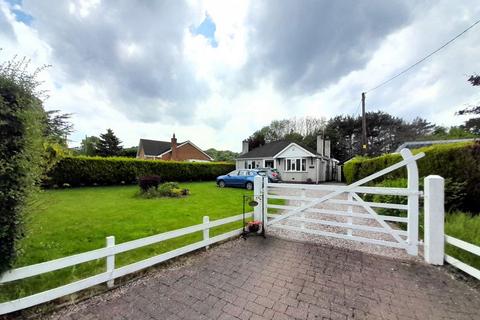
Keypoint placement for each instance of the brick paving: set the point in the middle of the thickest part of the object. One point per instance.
(277, 279)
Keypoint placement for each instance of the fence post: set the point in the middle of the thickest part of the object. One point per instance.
(434, 220)
(412, 227)
(110, 260)
(257, 195)
(206, 232)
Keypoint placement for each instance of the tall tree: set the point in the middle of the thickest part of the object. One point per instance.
(88, 146)
(108, 145)
(58, 126)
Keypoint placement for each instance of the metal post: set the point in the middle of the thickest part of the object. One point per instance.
(206, 232)
(110, 261)
(434, 220)
(264, 203)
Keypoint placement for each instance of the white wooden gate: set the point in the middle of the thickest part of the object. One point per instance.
(303, 215)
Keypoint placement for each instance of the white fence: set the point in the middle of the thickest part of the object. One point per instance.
(435, 237)
(109, 253)
(350, 219)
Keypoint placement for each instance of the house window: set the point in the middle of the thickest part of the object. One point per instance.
(297, 165)
(251, 164)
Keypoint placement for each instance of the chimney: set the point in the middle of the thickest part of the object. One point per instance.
(320, 145)
(174, 148)
(327, 148)
(244, 146)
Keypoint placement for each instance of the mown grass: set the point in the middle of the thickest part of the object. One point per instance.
(71, 221)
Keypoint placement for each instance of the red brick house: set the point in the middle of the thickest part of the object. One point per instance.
(164, 150)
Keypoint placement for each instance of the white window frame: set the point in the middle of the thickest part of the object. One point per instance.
(293, 164)
(251, 164)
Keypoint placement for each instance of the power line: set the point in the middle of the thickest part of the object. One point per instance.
(424, 58)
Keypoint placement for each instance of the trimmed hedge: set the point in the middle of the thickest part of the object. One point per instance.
(458, 162)
(84, 171)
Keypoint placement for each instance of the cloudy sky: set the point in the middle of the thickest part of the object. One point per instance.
(215, 71)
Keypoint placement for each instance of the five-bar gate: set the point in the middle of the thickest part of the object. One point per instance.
(309, 208)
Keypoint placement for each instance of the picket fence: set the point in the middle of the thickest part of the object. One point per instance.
(109, 252)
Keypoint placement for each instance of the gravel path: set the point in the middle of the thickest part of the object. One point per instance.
(336, 242)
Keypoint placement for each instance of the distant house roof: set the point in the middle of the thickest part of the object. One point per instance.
(155, 147)
(420, 144)
(267, 150)
(271, 149)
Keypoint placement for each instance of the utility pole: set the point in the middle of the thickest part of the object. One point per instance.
(364, 127)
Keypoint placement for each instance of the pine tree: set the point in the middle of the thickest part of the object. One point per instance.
(108, 145)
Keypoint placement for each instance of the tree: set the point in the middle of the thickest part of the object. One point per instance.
(472, 125)
(88, 146)
(58, 126)
(222, 155)
(21, 151)
(129, 152)
(108, 145)
(294, 129)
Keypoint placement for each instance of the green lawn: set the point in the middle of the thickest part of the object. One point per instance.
(467, 228)
(70, 221)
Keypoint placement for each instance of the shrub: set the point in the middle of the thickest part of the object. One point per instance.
(454, 194)
(168, 189)
(21, 155)
(457, 163)
(148, 182)
(83, 171)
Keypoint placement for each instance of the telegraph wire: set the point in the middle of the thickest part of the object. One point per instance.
(424, 58)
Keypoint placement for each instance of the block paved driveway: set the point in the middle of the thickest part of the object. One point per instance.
(277, 279)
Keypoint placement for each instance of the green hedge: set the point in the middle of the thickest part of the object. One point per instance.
(83, 171)
(457, 162)
(21, 157)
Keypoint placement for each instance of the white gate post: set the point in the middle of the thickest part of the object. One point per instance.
(110, 260)
(434, 220)
(412, 228)
(257, 195)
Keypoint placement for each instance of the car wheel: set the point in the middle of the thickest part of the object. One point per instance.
(221, 184)
(249, 186)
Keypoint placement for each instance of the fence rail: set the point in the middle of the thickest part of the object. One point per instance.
(109, 253)
(459, 264)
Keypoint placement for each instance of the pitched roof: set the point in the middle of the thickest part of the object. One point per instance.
(269, 150)
(155, 147)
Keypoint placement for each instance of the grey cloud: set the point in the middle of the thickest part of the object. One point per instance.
(306, 45)
(87, 49)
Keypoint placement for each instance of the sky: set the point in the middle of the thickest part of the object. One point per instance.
(213, 72)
